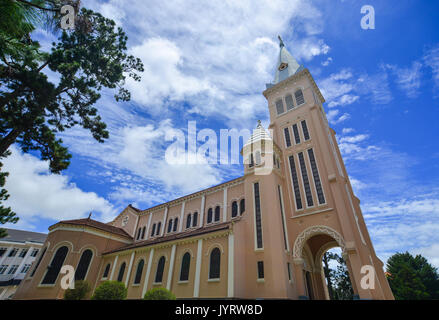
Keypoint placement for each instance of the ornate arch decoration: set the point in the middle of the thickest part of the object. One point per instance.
(312, 231)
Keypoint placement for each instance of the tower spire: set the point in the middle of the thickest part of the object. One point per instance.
(281, 42)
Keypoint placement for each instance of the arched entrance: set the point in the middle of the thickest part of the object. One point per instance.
(308, 251)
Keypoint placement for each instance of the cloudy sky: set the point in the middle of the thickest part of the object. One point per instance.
(209, 61)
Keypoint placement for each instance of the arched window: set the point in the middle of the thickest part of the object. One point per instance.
(175, 224)
(153, 230)
(217, 213)
(160, 269)
(185, 265)
(121, 272)
(106, 271)
(242, 207)
(139, 271)
(195, 220)
(170, 225)
(215, 262)
(55, 266)
(209, 215)
(234, 209)
(159, 225)
(299, 97)
(84, 263)
(280, 106)
(138, 233)
(188, 221)
(289, 101)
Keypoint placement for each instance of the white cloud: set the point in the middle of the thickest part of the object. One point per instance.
(431, 59)
(333, 117)
(408, 79)
(36, 193)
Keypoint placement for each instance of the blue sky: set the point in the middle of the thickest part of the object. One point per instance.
(209, 62)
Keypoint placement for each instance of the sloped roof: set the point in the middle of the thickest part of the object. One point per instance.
(95, 224)
(15, 235)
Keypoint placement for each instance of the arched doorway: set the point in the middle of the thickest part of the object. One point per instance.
(308, 252)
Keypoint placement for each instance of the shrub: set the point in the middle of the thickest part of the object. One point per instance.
(159, 294)
(81, 289)
(110, 290)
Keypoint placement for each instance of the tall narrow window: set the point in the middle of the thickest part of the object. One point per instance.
(143, 233)
(188, 221)
(169, 225)
(296, 188)
(289, 101)
(287, 137)
(305, 130)
(281, 204)
(296, 134)
(305, 179)
(185, 265)
(121, 272)
(106, 271)
(258, 218)
(83, 265)
(215, 262)
(139, 271)
(38, 262)
(234, 209)
(138, 233)
(241, 206)
(160, 269)
(316, 176)
(217, 213)
(153, 230)
(159, 225)
(280, 107)
(175, 224)
(251, 161)
(299, 97)
(209, 215)
(260, 269)
(55, 266)
(289, 271)
(195, 219)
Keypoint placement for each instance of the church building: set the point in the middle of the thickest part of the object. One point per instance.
(260, 236)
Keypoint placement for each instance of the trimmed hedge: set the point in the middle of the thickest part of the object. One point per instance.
(110, 290)
(80, 292)
(159, 294)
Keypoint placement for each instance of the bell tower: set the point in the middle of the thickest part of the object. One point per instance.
(320, 208)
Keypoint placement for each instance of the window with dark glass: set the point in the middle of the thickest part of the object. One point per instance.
(316, 177)
(234, 209)
(296, 134)
(209, 215)
(2, 251)
(121, 272)
(195, 219)
(282, 215)
(260, 269)
(84, 263)
(242, 207)
(23, 253)
(13, 252)
(305, 179)
(305, 130)
(217, 213)
(175, 224)
(159, 225)
(251, 162)
(153, 230)
(138, 233)
(38, 262)
(185, 265)
(188, 221)
(34, 253)
(169, 225)
(296, 188)
(299, 97)
(160, 269)
(289, 271)
(143, 232)
(106, 271)
(287, 137)
(280, 107)
(258, 218)
(139, 271)
(289, 101)
(55, 266)
(215, 262)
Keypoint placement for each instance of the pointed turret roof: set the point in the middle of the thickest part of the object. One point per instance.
(286, 65)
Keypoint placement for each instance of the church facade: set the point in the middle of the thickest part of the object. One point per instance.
(262, 235)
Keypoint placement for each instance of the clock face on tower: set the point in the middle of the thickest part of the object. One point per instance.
(125, 220)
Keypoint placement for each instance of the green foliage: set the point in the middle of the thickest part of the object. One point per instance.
(412, 278)
(110, 290)
(86, 60)
(79, 293)
(338, 281)
(159, 294)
